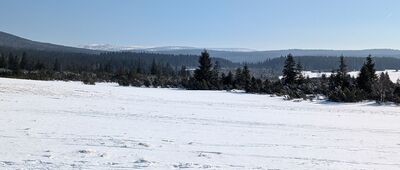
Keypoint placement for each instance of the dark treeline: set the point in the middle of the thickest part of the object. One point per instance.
(117, 60)
(124, 67)
(159, 70)
(327, 63)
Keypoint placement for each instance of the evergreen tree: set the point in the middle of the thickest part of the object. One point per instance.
(396, 94)
(383, 88)
(342, 67)
(227, 80)
(367, 76)
(299, 71)
(371, 67)
(215, 79)
(289, 70)
(342, 79)
(217, 66)
(242, 78)
(238, 78)
(340, 87)
(246, 76)
(204, 73)
(255, 86)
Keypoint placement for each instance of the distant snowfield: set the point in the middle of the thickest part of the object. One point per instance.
(68, 125)
(393, 74)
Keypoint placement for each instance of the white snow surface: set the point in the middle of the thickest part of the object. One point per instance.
(68, 125)
(393, 74)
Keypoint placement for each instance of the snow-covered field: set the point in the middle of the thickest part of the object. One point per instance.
(393, 74)
(68, 125)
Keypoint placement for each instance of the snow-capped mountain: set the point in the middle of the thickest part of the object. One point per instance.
(233, 49)
(168, 48)
(109, 47)
(174, 48)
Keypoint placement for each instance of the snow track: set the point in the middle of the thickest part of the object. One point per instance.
(68, 125)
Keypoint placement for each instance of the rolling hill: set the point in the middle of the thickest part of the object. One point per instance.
(9, 40)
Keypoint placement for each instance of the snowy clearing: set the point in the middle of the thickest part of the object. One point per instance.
(68, 125)
(393, 74)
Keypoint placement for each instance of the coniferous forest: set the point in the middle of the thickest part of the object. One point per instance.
(207, 73)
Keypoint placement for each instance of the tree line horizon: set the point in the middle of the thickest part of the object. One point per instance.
(151, 70)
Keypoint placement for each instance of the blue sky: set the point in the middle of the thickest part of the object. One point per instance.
(255, 24)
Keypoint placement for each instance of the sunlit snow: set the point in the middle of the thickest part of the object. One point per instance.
(68, 125)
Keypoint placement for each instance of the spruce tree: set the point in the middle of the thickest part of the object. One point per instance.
(228, 80)
(371, 67)
(396, 94)
(246, 76)
(289, 70)
(238, 78)
(217, 66)
(242, 77)
(215, 80)
(203, 74)
(342, 78)
(299, 71)
(367, 76)
(383, 88)
(340, 89)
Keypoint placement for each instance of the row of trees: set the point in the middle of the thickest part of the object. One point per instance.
(151, 70)
(339, 87)
(325, 63)
(127, 70)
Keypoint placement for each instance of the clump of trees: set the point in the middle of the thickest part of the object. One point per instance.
(342, 87)
(367, 86)
(339, 87)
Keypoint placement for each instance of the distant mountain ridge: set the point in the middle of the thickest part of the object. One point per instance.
(258, 56)
(109, 47)
(252, 56)
(9, 40)
(232, 54)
